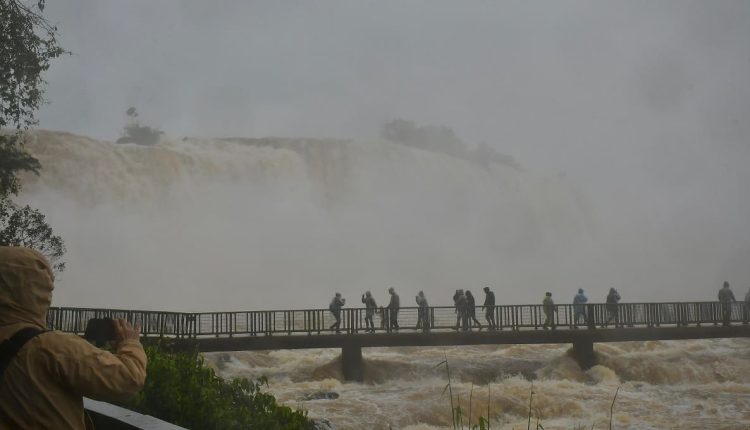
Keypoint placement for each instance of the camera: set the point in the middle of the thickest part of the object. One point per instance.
(100, 331)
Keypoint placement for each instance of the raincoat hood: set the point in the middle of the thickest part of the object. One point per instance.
(26, 284)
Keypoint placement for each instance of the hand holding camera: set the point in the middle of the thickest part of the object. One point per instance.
(103, 330)
(126, 331)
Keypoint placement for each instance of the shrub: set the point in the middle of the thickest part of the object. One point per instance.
(182, 389)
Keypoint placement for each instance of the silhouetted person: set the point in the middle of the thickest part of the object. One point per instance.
(423, 319)
(489, 308)
(726, 297)
(335, 308)
(613, 298)
(370, 307)
(548, 306)
(393, 307)
(456, 297)
(579, 306)
(471, 308)
(462, 309)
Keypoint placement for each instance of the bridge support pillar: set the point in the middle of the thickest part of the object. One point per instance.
(352, 364)
(583, 352)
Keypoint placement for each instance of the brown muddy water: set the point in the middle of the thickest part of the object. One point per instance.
(702, 384)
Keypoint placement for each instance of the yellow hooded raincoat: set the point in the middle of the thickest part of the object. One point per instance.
(44, 385)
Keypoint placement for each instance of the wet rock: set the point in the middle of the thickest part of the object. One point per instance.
(323, 424)
(321, 395)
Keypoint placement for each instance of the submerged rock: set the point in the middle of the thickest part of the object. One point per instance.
(321, 395)
(323, 424)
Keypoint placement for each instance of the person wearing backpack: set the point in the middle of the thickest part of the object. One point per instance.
(45, 374)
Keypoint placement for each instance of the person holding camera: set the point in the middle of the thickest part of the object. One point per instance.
(44, 375)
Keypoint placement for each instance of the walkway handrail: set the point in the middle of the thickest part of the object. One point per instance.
(320, 321)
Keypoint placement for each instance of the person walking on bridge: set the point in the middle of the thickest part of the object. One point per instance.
(471, 307)
(393, 307)
(489, 308)
(548, 306)
(370, 307)
(462, 309)
(613, 298)
(579, 306)
(423, 320)
(726, 297)
(335, 307)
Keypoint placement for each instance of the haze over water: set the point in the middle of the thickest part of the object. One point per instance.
(628, 122)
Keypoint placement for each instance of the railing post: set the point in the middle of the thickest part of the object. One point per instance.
(590, 316)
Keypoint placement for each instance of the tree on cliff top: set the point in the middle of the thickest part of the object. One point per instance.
(137, 133)
(28, 43)
(430, 137)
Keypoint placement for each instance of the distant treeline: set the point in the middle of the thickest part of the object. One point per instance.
(442, 139)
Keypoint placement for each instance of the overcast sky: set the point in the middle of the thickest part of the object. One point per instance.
(642, 103)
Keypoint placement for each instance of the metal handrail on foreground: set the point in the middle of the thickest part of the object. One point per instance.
(439, 318)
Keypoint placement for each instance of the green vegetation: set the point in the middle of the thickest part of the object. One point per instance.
(457, 412)
(137, 133)
(27, 227)
(27, 46)
(442, 139)
(182, 389)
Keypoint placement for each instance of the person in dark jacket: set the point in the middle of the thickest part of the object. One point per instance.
(423, 320)
(471, 307)
(726, 297)
(456, 297)
(548, 306)
(489, 308)
(370, 307)
(613, 298)
(462, 309)
(393, 307)
(335, 307)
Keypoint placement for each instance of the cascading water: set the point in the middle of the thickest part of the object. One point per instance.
(222, 224)
(242, 224)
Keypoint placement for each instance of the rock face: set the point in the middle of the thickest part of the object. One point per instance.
(320, 395)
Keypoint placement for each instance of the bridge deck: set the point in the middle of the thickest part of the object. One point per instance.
(412, 338)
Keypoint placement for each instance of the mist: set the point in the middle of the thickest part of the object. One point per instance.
(629, 120)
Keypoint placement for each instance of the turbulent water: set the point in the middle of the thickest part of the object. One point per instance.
(244, 224)
(663, 385)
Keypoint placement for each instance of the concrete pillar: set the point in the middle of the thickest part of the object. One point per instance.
(583, 351)
(351, 363)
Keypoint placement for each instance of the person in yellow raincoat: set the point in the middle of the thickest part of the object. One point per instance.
(43, 385)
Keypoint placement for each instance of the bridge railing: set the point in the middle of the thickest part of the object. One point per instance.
(153, 323)
(320, 321)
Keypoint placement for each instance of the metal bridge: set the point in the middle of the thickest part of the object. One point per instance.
(516, 324)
